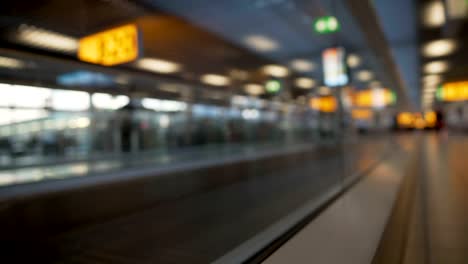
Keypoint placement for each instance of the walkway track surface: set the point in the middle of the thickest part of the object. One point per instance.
(429, 223)
(203, 226)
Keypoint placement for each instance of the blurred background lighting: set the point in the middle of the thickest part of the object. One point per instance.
(353, 60)
(11, 63)
(215, 79)
(254, 89)
(304, 83)
(302, 65)
(364, 76)
(273, 86)
(324, 90)
(158, 65)
(436, 67)
(261, 43)
(432, 79)
(438, 48)
(42, 38)
(107, 101)
(276, 70)
(434, 14)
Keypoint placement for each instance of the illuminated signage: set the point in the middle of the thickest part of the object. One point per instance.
(452, 92)
(326, 25)
(334, 67)
(85, 78)
(273, 86)
(326, 104)
(376, 98)
(111, 47)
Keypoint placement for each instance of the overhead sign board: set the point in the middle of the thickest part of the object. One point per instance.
(111, 47)
(334, 67)
(453, 91)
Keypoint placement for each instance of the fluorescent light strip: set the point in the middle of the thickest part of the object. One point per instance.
(47, 39)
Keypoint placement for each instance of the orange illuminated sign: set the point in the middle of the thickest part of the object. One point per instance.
(111, 47)
(377, 98)
(325, 104)
(454, 91)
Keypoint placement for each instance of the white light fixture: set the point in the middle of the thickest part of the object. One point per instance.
(107, 101)
(276, 70)
(11, 63)
(436, 67)
(364, 76)
(250, 114)
(261, 43)
(65, 100)
(254, 89)
(158, 65)
(304, 83)
(163, 105)
(302, 65)
(432, 79)
(438, 48)
(353, 60)
(434, 14)
(215, 79)
(42, 38)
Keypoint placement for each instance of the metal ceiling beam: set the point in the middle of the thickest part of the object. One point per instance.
(366, 17)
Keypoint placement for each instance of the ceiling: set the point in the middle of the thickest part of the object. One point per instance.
(206, 36)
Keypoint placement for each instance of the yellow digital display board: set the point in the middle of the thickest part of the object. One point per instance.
(326, 104)
(454, 91)
(111, 47)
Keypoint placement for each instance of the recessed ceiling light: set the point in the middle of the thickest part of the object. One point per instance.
(261, 43)
(254, 89)
(47, 39)
(276, 70)
(215, 79)
(432, 79)
(364, 76)
(158, 65)
(438, 48)
(302, 65)
(434, 14)
(304, 83)
(11, 63)
(353, 60)
(436, 67)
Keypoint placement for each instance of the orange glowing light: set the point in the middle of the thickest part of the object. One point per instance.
(326, 104)
(111, 47)
(362, 114)
(419, 123)
(430, 118)
(405, 119)
(373, 98)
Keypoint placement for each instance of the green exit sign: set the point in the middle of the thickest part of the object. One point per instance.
(273, 86)
(326, 25)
